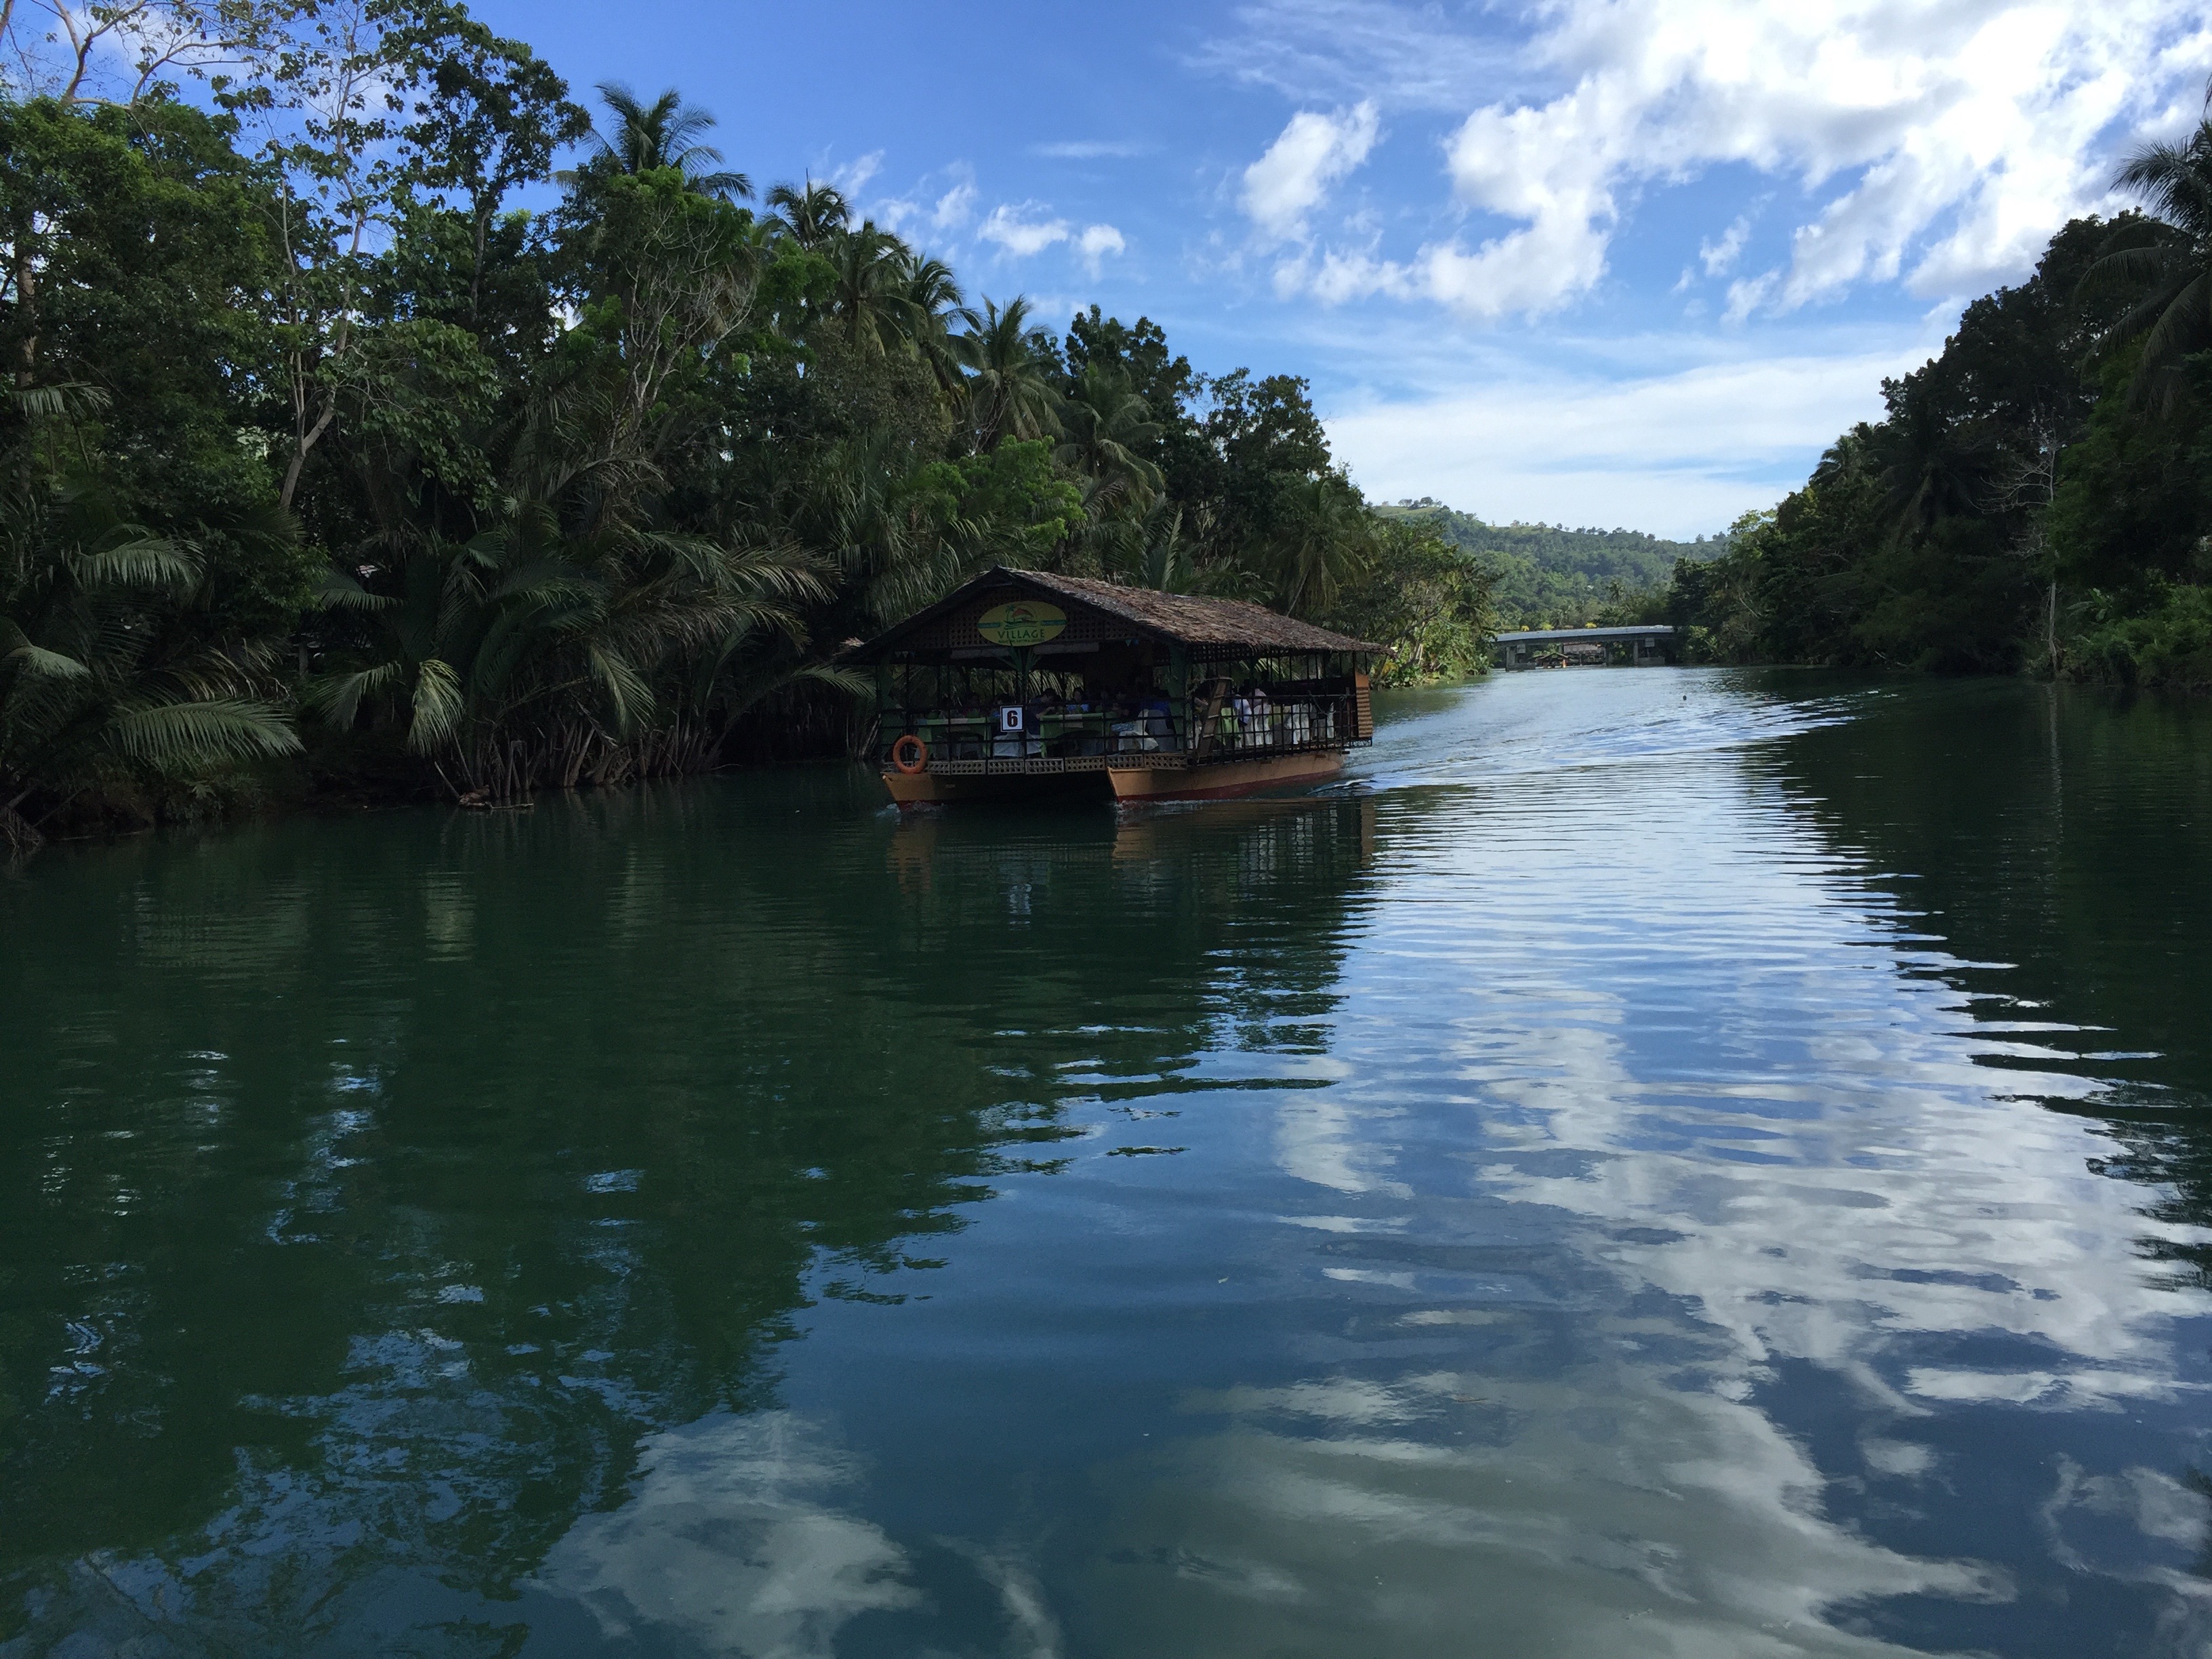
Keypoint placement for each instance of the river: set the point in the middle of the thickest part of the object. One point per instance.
(1664, 1162)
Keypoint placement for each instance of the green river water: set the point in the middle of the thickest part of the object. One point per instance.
(1676, 1163)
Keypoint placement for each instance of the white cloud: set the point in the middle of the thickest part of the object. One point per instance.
(1019, 236)
(955, 208)
(1312, 152)
(1679, 453)
(1747, 294)
(1097, 241)
(1320, 51)
(1092, 149)
(953, 205)
(853, 177)
(1939, 142)
(1719, 258)
(1016, 230)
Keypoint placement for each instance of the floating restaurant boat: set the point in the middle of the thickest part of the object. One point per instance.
(1025, 683)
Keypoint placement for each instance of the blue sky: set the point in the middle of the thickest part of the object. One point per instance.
(1626, 262)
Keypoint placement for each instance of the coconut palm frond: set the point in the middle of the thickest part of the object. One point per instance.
(140, 561)
(337, 698)
(71, 400)
(629, 697)
(340, 592)
(439, 705)
(850, 681)
(175, 735)
(51, 665)
(2174, 316)
(2184, 327)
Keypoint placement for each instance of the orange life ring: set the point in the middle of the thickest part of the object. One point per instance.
(920, 754)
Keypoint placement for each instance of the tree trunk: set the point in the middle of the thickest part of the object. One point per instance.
(26, 306)
(301, 445)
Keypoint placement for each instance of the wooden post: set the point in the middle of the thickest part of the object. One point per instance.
(1022, 654)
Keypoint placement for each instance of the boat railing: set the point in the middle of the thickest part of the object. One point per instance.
(1197, 729)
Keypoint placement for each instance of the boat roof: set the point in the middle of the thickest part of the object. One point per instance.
(1216, 626)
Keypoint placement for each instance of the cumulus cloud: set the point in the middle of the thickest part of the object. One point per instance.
(1939, 142)
(1019, 232)
(955, 208)
(942, 201)
(1020, 235)
(1681, 452)
(1097, 241)
(1313, 153)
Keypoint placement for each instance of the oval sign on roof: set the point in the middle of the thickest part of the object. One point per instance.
(1025, 622)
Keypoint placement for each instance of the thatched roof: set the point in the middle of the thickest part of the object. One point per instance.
(1215, 625)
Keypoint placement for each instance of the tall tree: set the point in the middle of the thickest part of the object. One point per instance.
(2170, 265)
(868, 300)
(1320, 541)
(1109, 433)
(666, 133)
(928, 302)
(489, 115)
(1009, 390)
(811, 214)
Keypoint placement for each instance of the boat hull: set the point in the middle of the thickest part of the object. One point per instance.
(1224, 780)
(943, 789)
(1221, 780)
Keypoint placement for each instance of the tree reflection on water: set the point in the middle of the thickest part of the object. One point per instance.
(386, 1205)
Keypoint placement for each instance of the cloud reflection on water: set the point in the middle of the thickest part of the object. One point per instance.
(1741, 1099)
(731, 1536)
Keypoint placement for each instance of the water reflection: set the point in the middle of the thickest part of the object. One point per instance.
(1662, 1164)
(731, 1535)
(382, 1198)
(1736, 1280)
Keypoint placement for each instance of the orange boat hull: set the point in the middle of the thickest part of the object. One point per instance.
(1223, 780)
(1218, 779)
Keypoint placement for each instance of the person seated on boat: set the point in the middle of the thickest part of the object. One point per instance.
(1226, 727)
(1158, 716)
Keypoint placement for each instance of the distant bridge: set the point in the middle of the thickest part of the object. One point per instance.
(1651, 646)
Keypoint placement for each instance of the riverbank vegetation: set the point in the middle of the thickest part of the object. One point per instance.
(2037, 497)
(1545, 575)
(382, 422)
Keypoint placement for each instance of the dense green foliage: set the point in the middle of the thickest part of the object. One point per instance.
(2035, 498)
(315, 436)
(1549, 576)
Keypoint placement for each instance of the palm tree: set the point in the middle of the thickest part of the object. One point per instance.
(1008, 388)
(530, 656)
(1931, 468)
(811, 214)
(1322, 539)
(97, 681)
(2174, 271)
(866, 508)
(872, 268)
(928, 300)
(1107, 427)
(662, 134)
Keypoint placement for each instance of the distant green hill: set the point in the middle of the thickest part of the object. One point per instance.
(1549, 576)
